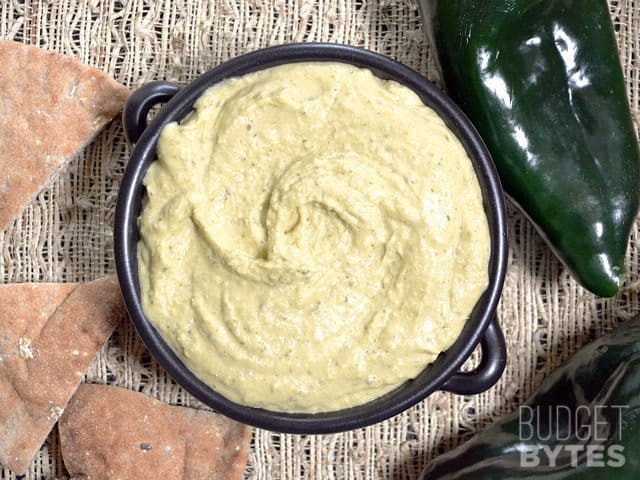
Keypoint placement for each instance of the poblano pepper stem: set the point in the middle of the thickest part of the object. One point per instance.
(542, 82)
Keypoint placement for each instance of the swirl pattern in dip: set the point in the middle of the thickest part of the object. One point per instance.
(312, 237)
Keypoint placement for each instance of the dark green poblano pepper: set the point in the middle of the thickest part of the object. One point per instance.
(583, 423)
(542, 82)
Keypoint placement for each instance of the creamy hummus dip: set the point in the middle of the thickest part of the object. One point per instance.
(312, 237)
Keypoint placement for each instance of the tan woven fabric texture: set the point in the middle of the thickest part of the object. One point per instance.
(66, 233)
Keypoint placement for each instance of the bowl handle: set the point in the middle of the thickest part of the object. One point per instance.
(134, 115)
(494, 359)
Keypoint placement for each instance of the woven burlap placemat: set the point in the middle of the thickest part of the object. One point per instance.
(66, 233)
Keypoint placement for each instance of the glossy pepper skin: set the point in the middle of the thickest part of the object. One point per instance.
(603, 376)
(542, 82)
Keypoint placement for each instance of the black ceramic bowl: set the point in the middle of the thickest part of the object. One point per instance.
(482, 326)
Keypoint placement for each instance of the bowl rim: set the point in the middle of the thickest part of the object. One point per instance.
(129, 202)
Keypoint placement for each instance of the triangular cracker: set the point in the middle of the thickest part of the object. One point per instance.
(49, 335)
(111, 432)
(51, 106)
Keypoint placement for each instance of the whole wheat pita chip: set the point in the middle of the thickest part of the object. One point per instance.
(110, 432)
(51, 106)
(49, 335)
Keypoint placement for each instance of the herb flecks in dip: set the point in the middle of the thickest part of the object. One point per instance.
(313, 237)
